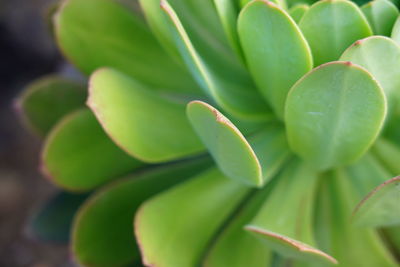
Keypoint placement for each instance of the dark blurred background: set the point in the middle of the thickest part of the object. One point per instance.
(26, 53)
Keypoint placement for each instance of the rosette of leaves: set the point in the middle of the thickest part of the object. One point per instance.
(296, 103)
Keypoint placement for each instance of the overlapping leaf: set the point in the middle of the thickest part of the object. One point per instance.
(334, 114)
(79, 156)
(382, 15)
(143, 123)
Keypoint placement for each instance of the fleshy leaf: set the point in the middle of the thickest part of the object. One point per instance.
(232, 90)
(235, 247)
(381, 57)
(334, 114)
(102, 233)
(52, 222)
(232, 152)
(326, 28)
(382, 15)
(396, 31)
(389, 155)
(226, 144)
(144, 124)
(381, 207)
(103, 33)
(228, 12)
(297, 11)
(191, 214)
(349, 244)
(288, 57)
(47, 100)
(284, 222)
(79, 156)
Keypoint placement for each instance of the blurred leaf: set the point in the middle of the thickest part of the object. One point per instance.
(297, 11)
(381, 207)
(284, 222)
(47, 100)
(228, 12)
(393, 234)
(235, 247)
(191, 214)
(79, 156)
(389, 154)
(146, 125)
(350, 245)
(232, 90)
(227, 145)
(382, 15)
(52, 222)
(334, 114)
(326, 28)
(103, 33)
(381, 57)
(287, 58)
(396, 31)
(103, 233)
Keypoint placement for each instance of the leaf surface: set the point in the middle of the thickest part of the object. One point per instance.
(47, 100)
(382, 15)
(334, 114)
(102, 233)
(146, 125)
(326, 28)
(275, 50)
(79, 156)
(191, 214)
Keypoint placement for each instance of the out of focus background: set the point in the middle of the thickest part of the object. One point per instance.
(26, 53)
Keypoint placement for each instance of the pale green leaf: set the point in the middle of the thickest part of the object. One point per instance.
(143, 123)
(284, 222)
(297, 11)
(102, 233)
(381, 57)
(326, 28)
(334, 114)
(175, 227)
(396, 31)
(389, 155)
(79, 156)
(382, 15)
(275, 50)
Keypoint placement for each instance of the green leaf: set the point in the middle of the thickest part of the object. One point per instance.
(326, 28)
(144, 124)
(284, 222)
(349, 244)
(396, 31)
(297, 11)
(113, 36)
(287, 57)
(227, 145)
(228, 12)
(381, 206)
(79, 156)
(232, 90)
(232, 152)
(393, 234)
(281, 3)
(381, 57)
(389, 155)
(52, 222)
(235, 247)
(382, 15)
(334, 114)
(174, 228)
(47, 100)
(103, 233)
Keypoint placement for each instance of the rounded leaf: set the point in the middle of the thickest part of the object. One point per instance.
(334, 114)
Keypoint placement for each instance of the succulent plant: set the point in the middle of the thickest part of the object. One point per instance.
(247, 133)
